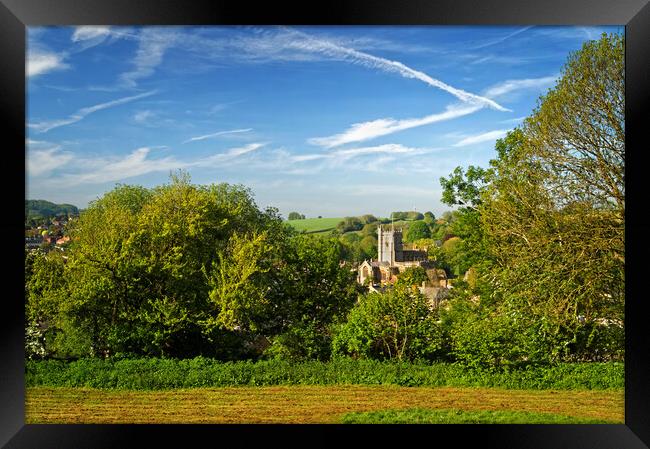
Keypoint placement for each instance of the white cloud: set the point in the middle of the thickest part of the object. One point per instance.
(44, 161)
(220, 133)
(84, 33)
(82, 113)
(41, 62)
(484, 137)
(513, 85)
(360, 132)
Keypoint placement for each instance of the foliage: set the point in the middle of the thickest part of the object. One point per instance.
(181, 270)
(412, 276)
(160, 374)
(554, 212)
(543, 227)
(417, 230)
(349, 224)
(397, 324)
(464, 188)
(408, 215)
(295, 216)
(368, 218)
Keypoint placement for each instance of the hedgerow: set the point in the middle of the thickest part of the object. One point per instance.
(160, 374)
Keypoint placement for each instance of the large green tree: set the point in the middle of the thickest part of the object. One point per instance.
(548, 214)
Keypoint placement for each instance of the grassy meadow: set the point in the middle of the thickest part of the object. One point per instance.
(320, 404)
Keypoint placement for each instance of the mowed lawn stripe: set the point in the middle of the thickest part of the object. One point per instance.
(300, 404)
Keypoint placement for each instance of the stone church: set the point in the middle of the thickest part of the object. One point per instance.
(392, 259)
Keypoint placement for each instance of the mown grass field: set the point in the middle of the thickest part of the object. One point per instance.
(320, 404)
(313, 225)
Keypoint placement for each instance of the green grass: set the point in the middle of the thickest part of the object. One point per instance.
(313, 225)
(161, 374)
(425, 416)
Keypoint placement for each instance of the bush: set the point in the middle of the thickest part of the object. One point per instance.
(397, 324)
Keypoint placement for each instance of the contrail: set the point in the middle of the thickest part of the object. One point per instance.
(82, 113)
(220, 133)
(311, 44)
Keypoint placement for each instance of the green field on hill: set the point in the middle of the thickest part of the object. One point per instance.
(315, 225)
(311, 225)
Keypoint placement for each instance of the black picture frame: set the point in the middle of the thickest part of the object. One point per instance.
(16, 15)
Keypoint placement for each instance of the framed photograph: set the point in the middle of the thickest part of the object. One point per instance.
(320, 216)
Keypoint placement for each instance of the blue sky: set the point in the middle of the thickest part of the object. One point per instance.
(329, 121)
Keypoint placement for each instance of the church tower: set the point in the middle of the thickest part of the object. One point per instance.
(389, 245)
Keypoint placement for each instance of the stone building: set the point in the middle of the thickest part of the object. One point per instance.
(392, 259)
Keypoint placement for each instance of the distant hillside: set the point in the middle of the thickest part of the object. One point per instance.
(310, 225)
(46, 209)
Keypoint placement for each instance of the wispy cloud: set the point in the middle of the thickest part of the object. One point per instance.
(98, 170)
(514, 120)
(142, 116)
(508, 86)
(393, 190)
(484, 137)
(232, 153)
(40, 62)
(306, 42)
(220, 133)
(359, 132)
(389, 148)
(371, 158)
(153, 43)
(42, 127)
(114, 169)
